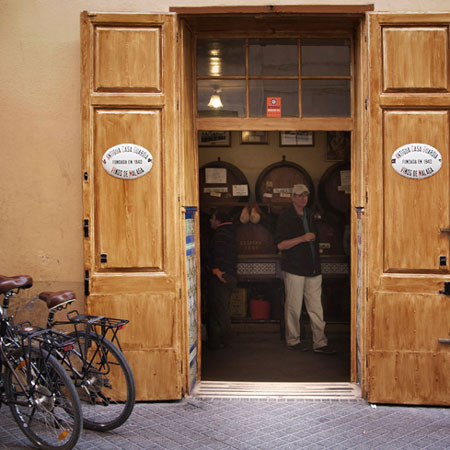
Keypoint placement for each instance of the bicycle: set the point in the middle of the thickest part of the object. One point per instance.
(98, 368)
(40, 394)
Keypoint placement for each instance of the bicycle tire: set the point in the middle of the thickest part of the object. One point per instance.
(106, 401)
(48, 411)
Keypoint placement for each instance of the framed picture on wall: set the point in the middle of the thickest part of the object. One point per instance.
(254, 137)
(338, 145)
(214, 138)
(296, 138)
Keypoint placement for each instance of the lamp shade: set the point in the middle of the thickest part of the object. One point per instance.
(215, 101)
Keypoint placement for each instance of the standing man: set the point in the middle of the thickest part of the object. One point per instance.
(222, 261)
(296, 238)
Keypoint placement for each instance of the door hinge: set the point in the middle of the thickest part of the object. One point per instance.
(365, 103)
(86, 283)
(367, 361)
(85, 176)
(365, 37)
(367, 294)
(86, 228)
(177, 37)
(178, 105)
(367, 198)
(446, 290)
(179, 293)
(181, 366)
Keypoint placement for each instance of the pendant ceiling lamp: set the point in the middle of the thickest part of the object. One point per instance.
(215, 101)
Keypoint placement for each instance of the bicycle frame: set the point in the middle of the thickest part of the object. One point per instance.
(99, 326)
(16, 345)
(7, 339)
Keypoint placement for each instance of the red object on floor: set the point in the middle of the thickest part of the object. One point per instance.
(259, 309)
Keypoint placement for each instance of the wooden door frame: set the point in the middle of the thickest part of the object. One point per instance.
(359, 237)
(358, 271)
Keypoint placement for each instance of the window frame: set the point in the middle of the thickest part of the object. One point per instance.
(283, 123)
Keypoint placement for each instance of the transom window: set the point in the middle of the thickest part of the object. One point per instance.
(267, 77)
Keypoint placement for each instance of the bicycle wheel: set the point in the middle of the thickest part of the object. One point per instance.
(106, 386)
(44, 401)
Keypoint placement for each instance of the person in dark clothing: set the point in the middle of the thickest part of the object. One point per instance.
(296, 238)
(222, 261)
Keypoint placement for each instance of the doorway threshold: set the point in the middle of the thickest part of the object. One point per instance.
(245, 389)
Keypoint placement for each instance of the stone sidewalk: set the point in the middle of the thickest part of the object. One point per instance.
(271, 424)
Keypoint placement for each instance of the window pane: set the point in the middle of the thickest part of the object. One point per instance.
(232, 98)
(220, 57)
(325, 57)
(326, 98)
(261, 89)
(273, 57)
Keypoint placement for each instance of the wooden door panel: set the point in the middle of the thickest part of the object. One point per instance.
(415, 210)
(129, 220)
(151, 331)
(156, 372)
(420, 56)
(122, 56)
(409, 378)
(133, 243)
(404, 282)
(136, 282)
(415, 312)
(408, 255)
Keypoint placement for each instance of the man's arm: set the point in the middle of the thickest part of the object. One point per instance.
(289, 243)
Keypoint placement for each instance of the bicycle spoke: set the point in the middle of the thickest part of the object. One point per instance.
(106, 386)
(44, 405)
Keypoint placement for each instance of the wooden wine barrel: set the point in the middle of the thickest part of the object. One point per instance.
(216, 180)
(274, 184)
(254, 239)
(332, 194)
(330, 236)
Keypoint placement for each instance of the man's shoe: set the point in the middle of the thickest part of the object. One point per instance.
(299, 347)
(325, 350)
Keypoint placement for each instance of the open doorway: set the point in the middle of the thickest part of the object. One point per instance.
(315, 73)
(252, 174)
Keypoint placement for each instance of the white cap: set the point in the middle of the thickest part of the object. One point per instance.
(299, 189)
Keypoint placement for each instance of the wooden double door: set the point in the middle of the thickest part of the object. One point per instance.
(135, 239)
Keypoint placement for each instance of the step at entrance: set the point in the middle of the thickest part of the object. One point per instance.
(244, 389)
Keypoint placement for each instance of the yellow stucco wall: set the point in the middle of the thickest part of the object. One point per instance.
(40, 129)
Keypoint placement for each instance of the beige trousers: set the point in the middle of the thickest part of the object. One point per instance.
(296, 289)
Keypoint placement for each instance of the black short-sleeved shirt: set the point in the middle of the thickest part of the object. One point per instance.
(302, 259)
(223, 249)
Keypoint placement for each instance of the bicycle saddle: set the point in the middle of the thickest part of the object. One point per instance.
(16, 282)
(57, 299)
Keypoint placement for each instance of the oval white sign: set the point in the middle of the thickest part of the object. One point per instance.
(416, 161)
(127, 161)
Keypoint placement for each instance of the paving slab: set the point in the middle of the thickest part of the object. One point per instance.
(258, 424)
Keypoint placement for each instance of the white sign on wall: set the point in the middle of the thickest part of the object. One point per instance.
(416, 161)
(215, 175)
(127, 161)
(240, 190)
